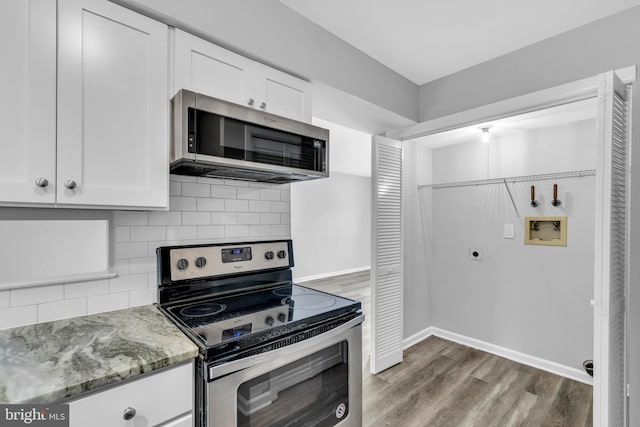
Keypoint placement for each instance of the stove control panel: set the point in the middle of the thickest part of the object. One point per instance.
(205, 261)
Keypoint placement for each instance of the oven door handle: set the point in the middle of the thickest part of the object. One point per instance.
(247, 362)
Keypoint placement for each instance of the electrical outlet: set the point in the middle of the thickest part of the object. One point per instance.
(475, 254)
(508, 231)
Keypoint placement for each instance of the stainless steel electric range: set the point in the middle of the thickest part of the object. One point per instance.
(272, 353)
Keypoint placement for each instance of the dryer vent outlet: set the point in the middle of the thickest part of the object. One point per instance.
(475, 254)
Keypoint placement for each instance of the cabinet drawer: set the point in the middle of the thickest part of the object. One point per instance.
(156, 399)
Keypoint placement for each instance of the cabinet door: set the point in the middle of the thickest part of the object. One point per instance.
(282, 94)
(28, 101)
(112, 106)
(205, 68)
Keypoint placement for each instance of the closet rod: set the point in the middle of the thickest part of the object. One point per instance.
(512, 179)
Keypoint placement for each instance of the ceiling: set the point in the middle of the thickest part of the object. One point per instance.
(553, 116)
(426, 40)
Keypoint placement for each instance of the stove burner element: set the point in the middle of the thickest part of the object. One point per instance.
(202, 310)
(313, 302)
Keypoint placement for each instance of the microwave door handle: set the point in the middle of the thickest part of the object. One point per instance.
(242, 364)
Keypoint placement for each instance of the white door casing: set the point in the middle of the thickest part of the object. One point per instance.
(387, 254)
(611, 253)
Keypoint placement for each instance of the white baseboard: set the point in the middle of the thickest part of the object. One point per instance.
(516, 356)
(333, 273)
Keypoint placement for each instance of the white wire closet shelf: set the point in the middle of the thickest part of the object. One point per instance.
(512, 179)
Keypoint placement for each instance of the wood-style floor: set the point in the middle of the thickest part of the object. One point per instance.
(441, 383)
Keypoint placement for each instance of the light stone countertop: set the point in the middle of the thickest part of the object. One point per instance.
(53, 361)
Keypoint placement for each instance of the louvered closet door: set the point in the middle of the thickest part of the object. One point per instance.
(610, 407)
(386, 269)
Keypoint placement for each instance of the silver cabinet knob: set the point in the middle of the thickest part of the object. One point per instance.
(251, 101)
(70, 184)
(42, 182)
(263, 105)
(129, 413)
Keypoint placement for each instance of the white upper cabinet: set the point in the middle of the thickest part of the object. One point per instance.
(209, 69)
(282, 94)
(206, 68)
(112, 106)
(28, 102)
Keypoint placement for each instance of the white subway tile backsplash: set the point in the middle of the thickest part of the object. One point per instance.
(4, 299)
(280, 230)
(196, 189)
(269, 218)
(202, 210)
(35, 295)
(210, 231)
(280, 207)
(259, 185)
(248, 193)
(182, 203)
(210, 205)
(165, 218)
(207, 180)
(269, 194)
(131, 218)
(148, 234)
(142, 265)
(183, 178)
(122, 266)
(235, 231)
(111, 302)
(223, 192)
(196, 218)
(236, 205)
(131, 250)
(259, 230)
(123, 234)
(18, 316)
(259, 206)
(143, 297)
(86, 289)
(128, 283)
(248, 218)
(175, 188)
(66, 309)
(224, 218)
(182, 232)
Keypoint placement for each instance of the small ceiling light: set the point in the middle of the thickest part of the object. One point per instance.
(485, 133)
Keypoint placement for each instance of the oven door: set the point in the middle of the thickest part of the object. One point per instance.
(316, 382)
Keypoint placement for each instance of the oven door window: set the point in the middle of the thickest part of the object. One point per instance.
(312, 391)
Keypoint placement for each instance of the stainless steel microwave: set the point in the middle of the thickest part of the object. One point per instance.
(215, 138)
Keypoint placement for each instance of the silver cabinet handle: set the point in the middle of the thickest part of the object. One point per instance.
(129, 413)
(251, 101)
(70, 184)
(263, 105)
(42, 182)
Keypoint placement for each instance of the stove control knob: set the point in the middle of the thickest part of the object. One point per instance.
(269, 320)
(282, 254)
(182, 264)
(269, 255)
(201, 262)
(282, 317)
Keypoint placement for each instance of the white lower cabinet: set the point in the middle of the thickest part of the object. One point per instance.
(164, 399)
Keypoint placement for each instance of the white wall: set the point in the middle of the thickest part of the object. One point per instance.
(331, 218)
(416, 170)
(532, 299)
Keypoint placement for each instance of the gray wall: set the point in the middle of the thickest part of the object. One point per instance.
(271, 33)
(610, 43)
(331, 225)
